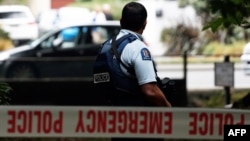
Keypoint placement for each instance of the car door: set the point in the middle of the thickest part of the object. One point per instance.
(75, 54)
(58, 60)
(93, 37)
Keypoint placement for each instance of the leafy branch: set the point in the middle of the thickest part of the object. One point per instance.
(5, 90)
(228, 13)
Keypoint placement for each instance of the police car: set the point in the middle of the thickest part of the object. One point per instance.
(65, 52)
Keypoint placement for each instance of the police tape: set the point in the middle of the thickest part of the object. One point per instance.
(97, 122)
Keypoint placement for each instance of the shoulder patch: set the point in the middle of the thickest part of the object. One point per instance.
(145, 54)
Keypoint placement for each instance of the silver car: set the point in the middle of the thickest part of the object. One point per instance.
(19, 23)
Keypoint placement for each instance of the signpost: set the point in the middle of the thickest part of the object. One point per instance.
(224, 76)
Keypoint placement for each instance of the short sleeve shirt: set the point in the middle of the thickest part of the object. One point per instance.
(137, 55)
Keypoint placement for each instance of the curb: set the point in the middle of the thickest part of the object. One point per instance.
(206, 66)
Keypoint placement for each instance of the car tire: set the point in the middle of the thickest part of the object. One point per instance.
(22, 70)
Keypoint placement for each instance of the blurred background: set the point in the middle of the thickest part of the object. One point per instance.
(173, 25)
(183, 51)
(174, 34)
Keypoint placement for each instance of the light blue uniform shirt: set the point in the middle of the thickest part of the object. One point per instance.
(136, 54)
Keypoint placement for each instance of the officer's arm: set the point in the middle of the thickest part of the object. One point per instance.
(154, 94)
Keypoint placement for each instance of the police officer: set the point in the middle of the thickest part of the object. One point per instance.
(137, 56)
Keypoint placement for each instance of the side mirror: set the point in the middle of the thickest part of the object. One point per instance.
(66, 35)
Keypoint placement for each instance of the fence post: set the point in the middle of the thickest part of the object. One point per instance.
(185, 66)
(227, 88)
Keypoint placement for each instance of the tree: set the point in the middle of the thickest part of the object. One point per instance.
(227, 19)
(228, 13)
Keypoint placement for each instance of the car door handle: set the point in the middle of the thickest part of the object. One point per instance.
(39, 54)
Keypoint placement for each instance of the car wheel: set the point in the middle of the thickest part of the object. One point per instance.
(22, 71)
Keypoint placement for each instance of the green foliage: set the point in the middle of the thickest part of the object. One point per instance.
(218, 49)
(217, 98)
(82, 0)
(5, 90)
(4, 35)
(228, 13)
(216, 101)
(223, 15)
(14, 2)
(214, 25)
(179, 39)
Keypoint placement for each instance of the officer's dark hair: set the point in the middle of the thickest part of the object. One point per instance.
(133, 17)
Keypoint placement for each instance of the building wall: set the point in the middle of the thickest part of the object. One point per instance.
(38, 6)
(60, 3)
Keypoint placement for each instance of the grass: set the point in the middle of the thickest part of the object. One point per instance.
(214, 98)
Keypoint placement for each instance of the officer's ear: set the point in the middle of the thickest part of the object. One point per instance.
(121, 22)
(144, 25)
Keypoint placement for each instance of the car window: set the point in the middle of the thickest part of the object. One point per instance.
(81, 36)
(9, 15)
(112, 30)
(98, 34)
(69, 37)
(48, 43)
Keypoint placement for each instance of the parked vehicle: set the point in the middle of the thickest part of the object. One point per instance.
(63, 52)
(19, 22)
(245, 58)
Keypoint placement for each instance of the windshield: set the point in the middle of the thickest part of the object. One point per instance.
(37, 41)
